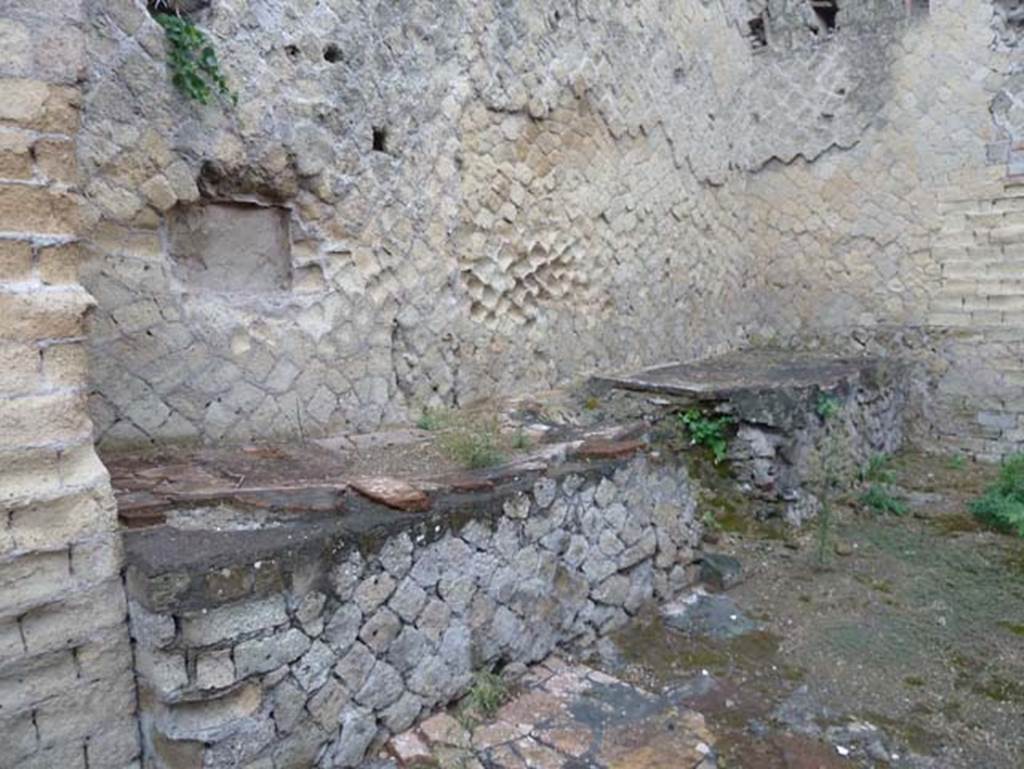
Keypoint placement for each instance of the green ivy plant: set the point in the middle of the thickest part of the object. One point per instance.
(195, 70)
(708, 431)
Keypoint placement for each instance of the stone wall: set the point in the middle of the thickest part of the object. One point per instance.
(67, 691)
(906, 241)
(313, 649)
(478, 196)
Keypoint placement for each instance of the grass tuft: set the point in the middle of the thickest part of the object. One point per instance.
(881, 500)
(474, 441)
(1002, 504)
(488, 692)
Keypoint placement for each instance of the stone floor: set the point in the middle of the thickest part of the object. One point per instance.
(563, 715)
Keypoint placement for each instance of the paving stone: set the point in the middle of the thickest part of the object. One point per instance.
(720, 571)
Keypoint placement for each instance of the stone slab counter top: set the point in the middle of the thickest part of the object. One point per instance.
(207, 525)
(729, 375)
(287, 607)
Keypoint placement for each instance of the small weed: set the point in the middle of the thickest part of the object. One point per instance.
(488, 692)
(592, 403)
(708, 431)
(877, 470)
(1002, 504)
(880, 499)
(1015, 628)
(521, 441)
(957, 462)
(433, 419)
(827, 406)
(472, 441)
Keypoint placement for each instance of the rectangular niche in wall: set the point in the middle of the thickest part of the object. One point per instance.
(231, 247)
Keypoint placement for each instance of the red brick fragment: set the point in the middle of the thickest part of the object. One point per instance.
(597, 448)
(394, 493)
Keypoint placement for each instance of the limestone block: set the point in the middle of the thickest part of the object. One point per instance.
(159, 193)
(229, 622)
(55, 160)
(343, 627)
(15, 260)
(42, 419)
(164, 672)
(358, 729)
(59, 264)
(85, 710)
(16, 160)
(117, 745)
(33, 679)
(20, 364)
(33, 578)
(312, 670)
(262, 655)
(215, 670)
(36, 209)
(52, 314)
(19, 736)
(65, 365)
(209, 719)
(68, 623)
(23, 100)
(70, 755)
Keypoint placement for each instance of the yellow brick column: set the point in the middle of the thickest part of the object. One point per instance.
(67, 692)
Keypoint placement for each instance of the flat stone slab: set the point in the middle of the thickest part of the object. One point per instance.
(758, 370)
(713, 616)
(565, 716)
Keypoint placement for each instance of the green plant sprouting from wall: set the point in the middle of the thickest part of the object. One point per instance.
(1002, 504)
(195, 69)
(708, 431)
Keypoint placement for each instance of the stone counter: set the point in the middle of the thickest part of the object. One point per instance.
(270, 638)
(792, 414)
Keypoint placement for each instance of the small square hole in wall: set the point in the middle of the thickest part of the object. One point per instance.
(825, 12)
(757, 32)
(380, 139)
(231, 247)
